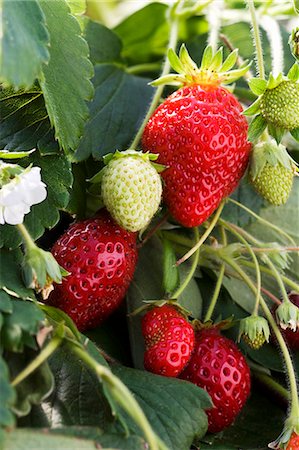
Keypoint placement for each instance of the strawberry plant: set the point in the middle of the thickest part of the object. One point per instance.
(149, 242)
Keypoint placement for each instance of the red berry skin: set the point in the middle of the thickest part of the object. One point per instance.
(293, 442)
(201, 137)
(291, 337)
(169, 341)
(218, 366)
(101, 258)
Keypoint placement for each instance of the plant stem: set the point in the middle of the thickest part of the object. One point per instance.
(216, 293)
(256, 39)
(27, 239)
(173, 39)
(273, 385)
(278, 278)
(263, 221)
(256, 265)
(204, 236)
(294, 411)
(271, 296)
(122, 395)
(40, 359)
(193, 268)
(141, 68)
(264, 269)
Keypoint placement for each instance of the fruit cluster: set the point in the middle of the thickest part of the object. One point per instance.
(198, 139)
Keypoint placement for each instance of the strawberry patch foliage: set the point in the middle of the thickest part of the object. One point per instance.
(209, 94)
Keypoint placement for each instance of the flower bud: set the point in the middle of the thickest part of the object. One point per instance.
(287, 315)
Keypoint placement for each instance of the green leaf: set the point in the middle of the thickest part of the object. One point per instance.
(104, 45)
(144, 34)
(207, 57)
(78, 398)
(171, 275)
(173, 407)
(24, 122)
(56, 173)
(5, 303)
(66, 78)
(230, 61)
(119, 95)
(293, 73)
(257, 85)
(246, 195)
(276, 132)
(295, 134)
(35, 387)
(256, 128)
(10, 274)
(7, 397)
(254, 428)
(23, 44)
(253, 109)
(20, 325)
(148, 285)
(23, 439)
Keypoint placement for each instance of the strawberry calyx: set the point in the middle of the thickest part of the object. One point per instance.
(287, 315)
(271, 153)
(212, 72)
(276, 106)
(224, 324)
(150, 304)
(294, 42)
(290, 431)
(255, 331)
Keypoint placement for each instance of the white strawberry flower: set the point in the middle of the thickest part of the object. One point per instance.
(19, 190)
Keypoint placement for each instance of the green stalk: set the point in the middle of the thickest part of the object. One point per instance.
(122, 395)
(40, 359)
(273, 385)
(256, 265)
(141, 68)
(256, 39)
(27, 239)
(204, 236)
(193, 268)
(263, 221)
(278, 278)
(173, 39)
(264, 269)
(217, 289)
(293, 418)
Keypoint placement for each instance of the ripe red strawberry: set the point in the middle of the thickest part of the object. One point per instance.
(169, 341)
(200, 135)
(101, 258)
(218, 366)
(293, 443)
(291, 337)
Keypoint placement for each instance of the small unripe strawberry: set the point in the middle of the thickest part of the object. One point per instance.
(131, 188)
(280, 105)
(272, 172)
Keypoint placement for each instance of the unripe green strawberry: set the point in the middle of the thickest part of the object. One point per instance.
(131, 188)
(271, 172)
(280, 105)
(274, 183)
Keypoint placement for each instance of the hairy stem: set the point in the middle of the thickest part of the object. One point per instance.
(204, 236)
(193, 268)
(27, 239)
(263, 221)
(216, 293)
(256, 39)
(294, 410)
